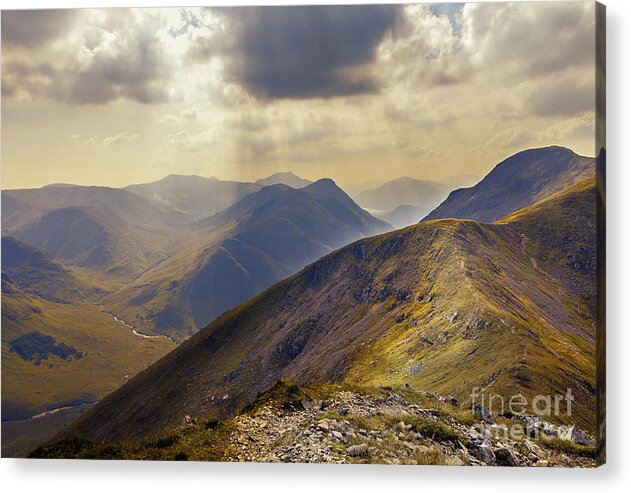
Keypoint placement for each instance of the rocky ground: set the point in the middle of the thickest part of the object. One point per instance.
(349, 424)
(395, 428)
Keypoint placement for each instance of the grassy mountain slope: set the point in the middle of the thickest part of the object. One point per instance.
(58, 354)
(239, 252)
(194, 196)
(35, 272)
(446, 306)
(517, 182)
(402, 191)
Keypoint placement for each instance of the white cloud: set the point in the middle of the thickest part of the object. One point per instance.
(119, 138)
(185, 116)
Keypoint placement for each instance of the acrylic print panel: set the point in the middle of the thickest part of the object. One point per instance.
(347, 234)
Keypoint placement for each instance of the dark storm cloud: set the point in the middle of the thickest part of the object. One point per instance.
(302, 52)
(33, 28)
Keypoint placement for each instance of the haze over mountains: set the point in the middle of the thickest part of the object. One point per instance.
(241, 251)
(443, 305)
(406, 200)
(195, 196)
(111, 231)
(403, 191)
(285, 178)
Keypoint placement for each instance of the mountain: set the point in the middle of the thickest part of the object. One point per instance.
(194, 196)
(516, 182)
(232, 256)
(20, 207)
(87, 237)
(284, 178)
(111, 231)
(33, 271)
(403, 191)
(56, 355)
(404, 215)
(446, 306)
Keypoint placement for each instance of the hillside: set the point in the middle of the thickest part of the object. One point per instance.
(517, 182)
(87, 237)
(194, 196)
(34, 272)
(110, 231)
(403, 191)
(445, 306)
(239, 252)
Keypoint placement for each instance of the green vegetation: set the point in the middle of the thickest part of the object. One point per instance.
(38, 347)
(567, 447)
(196, 442)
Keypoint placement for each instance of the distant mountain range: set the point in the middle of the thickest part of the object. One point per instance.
(444, 305)
(516, 182)
(194, 196)
(284, 178)
(112, 231)
(199, 197)
(232, 256)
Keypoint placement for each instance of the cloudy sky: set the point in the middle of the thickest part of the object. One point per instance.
(355, 93)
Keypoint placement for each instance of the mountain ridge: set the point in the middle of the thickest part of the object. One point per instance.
(447, 304)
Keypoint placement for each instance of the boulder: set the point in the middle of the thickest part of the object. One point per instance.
(360, 450)
(483, 452)
(323, 425)
(575, 435)
(506, 457)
